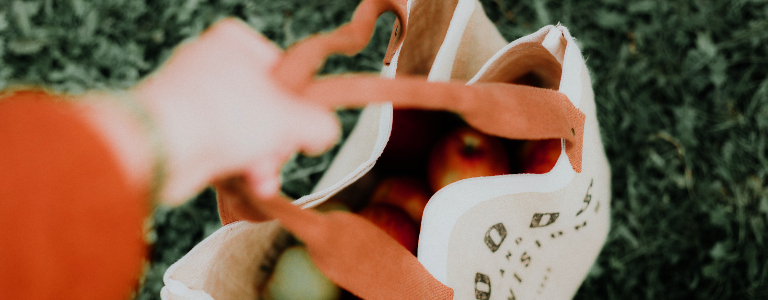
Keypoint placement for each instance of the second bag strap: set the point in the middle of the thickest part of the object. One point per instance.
(506, 110)
(302, 60)
(500, 109)
(352, 252)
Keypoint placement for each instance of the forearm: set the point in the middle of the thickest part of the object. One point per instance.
(110, 114)
(154, 141)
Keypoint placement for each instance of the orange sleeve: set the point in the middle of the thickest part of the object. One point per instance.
(70, 225)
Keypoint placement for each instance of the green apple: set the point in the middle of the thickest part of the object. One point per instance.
(332, 204)
(296, 277)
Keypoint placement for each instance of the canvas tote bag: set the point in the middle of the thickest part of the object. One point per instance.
(517, 236)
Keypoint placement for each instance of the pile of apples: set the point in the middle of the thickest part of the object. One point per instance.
(427, 151)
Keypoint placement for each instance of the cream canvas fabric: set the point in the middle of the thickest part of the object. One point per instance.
(525, 235)
(226, 265)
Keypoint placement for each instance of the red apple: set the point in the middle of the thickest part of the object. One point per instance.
(407, 193)
(395, 223)
(414, 132)
(355, 195)
(465, 153)
(540, 156)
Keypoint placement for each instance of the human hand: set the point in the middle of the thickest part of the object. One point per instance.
(220, 114)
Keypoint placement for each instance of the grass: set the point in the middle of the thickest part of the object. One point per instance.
(681, 88)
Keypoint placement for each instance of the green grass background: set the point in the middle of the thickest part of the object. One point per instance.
(681, 88)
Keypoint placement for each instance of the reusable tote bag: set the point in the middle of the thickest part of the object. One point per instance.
(516, 236)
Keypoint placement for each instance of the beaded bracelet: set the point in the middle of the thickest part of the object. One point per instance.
(149, 127)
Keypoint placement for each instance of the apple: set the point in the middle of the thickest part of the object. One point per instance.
(296, 277)
(465, 153)
(414, 132)
(395, 222)
(539, 156)
(332, 204)
(356, 194)
(407, 193)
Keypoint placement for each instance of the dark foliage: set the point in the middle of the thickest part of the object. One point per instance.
(681, 87)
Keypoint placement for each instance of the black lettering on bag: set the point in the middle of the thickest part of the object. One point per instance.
(537, 217)
(511, 295)
(525, 259)
(543, 283)
(481, 281)
(577, 227)
(587, 198)
(501, 231)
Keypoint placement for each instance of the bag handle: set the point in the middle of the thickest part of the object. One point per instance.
(500, 109)
(505, 110)
(364, 259)
(301, 61)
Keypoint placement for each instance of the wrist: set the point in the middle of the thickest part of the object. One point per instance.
(186, 165)
(124, 132)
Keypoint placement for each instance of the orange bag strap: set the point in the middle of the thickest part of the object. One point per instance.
(505, 110)
(351, 251)
(302, 60)
(500, 109)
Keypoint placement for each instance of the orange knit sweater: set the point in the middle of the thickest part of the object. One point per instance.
(70, 225)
